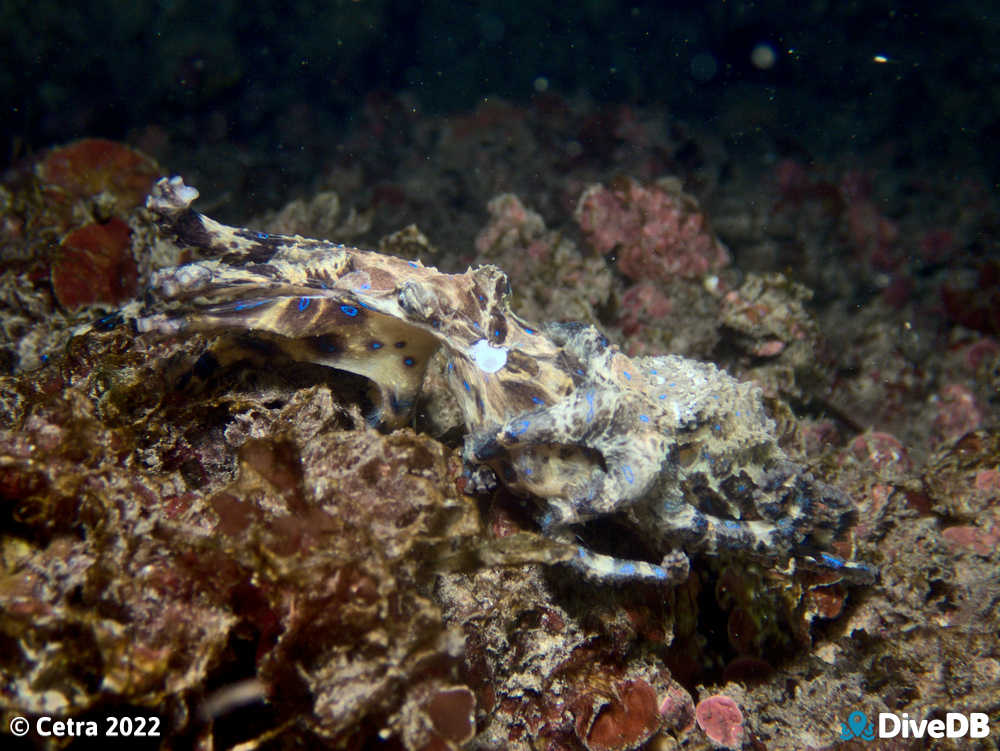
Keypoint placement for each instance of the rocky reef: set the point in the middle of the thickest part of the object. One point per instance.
(229, 547)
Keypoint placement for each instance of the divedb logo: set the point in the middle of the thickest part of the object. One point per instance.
(892, 725)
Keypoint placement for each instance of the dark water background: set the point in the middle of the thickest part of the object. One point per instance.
(272, 76)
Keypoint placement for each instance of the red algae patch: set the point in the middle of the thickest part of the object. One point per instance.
(95, 165)
(94, 264)
(625, 722)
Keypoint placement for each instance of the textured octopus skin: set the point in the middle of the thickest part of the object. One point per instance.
(677, 449)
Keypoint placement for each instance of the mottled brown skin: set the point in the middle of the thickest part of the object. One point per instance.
(678, 448)
(379, 316)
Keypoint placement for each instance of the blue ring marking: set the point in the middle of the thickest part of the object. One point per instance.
(399, 405)
(248, 304)
(349, 310)
(644, 418)
(831, 560)
(627, 471)
(521, 428)
(304, 303)
(262, 235)
(590, 403)
(408, 361)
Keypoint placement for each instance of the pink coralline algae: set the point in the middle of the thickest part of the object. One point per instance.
(721, 720)
(957, 412)
(872, 234)
(642, 303)
(657, 232)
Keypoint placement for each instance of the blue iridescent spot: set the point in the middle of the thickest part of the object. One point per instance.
(349, 310)
(366, 285)
(653, 371)
(626, 569)
(376, 345)
(413, 264)
(451, 366)
(590, 404)
(521, 427)
(663, 396)
(262, 235)
(730, 526)
(741, 488)
(831, 561)
(671, 385)
(528, 331)
(627, 471)
(475, 325)
(579, 372)
(466, 384)
(304, 303)
(737, 413)
(644, 418)
(536, 400)
(628, 376)
(528, 471)
(716, 428)
(408, 361)
(248, 304)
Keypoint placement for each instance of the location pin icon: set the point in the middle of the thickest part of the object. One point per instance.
(857, 722)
